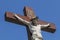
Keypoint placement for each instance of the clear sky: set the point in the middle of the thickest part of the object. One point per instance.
(47, 10)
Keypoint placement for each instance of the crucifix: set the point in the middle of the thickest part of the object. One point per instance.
(32, 23)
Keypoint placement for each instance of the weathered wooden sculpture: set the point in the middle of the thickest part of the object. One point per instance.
(28, 16)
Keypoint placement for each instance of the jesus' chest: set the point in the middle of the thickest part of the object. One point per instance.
(35, 28)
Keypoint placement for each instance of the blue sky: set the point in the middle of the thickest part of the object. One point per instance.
(47, 10)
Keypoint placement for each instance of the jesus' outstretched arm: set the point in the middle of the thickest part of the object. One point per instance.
(20, 19)
(46, 25)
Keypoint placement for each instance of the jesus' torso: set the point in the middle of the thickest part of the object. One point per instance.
(35, 29)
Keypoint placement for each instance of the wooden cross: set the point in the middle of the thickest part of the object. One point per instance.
(28, 15)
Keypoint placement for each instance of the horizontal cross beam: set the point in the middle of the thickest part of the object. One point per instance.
(10, 17)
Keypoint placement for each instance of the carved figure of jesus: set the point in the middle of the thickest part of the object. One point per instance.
(34, 27)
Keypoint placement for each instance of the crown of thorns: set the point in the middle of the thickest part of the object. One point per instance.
(34, 18)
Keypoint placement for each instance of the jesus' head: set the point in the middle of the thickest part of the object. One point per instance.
(34, 21)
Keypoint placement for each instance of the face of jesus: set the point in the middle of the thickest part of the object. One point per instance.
(35, 22)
